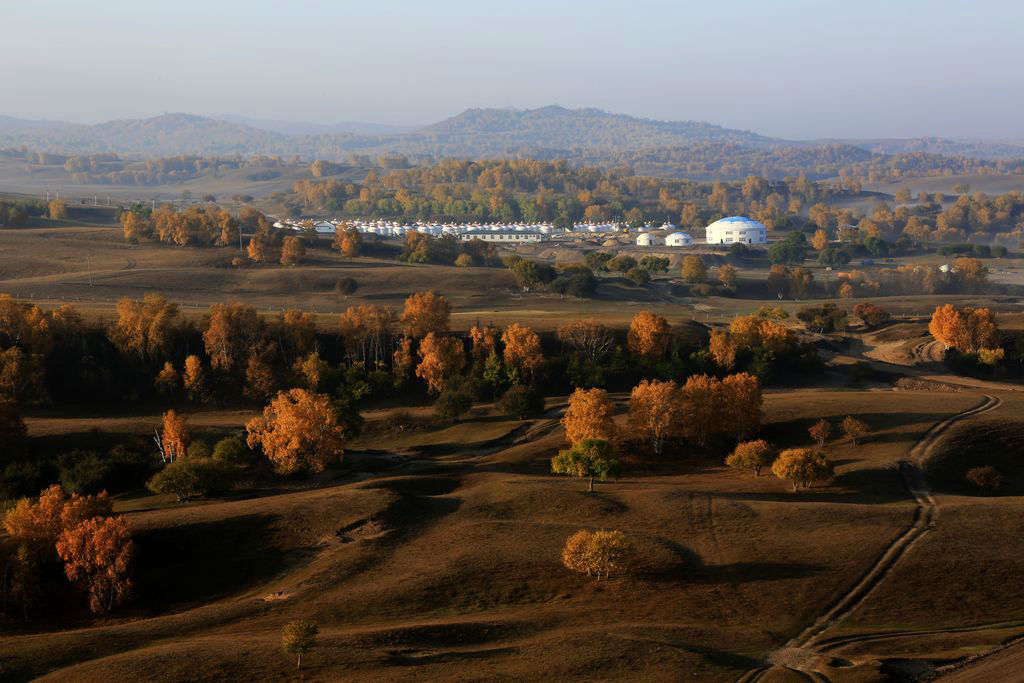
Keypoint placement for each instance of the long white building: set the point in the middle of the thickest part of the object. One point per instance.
(503, 236)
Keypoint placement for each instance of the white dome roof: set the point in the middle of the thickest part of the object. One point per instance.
(737, 223)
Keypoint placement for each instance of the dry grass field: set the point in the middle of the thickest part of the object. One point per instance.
(446, 564)
(435, 553)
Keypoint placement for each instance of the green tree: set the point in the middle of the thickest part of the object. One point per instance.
(593, 458)
(298, 638)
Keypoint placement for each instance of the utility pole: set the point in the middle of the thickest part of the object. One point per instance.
(88, 257)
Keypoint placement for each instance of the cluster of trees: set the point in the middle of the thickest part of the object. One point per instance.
(76, 536)
(760, 344)
(968, 330)
(556, 191)
(16, 212)
(702, 410)
(799, 466)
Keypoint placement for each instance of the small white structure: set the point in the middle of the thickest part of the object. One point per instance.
(646, 239)
(506, 236)
(737, 229)
(678, 239)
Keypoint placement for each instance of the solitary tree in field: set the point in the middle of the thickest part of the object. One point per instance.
(593, 458)
(802, 467)
(298, 638)
(597, 553)
(855, 429)
(820, 431)
(751, 455)
(589, 416)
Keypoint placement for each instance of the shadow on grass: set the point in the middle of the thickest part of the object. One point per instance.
(205, 560)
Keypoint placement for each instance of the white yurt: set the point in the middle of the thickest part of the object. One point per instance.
(646, 239)
(678, 239)
(737, 229)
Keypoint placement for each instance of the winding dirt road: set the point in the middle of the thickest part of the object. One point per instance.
(806, 652)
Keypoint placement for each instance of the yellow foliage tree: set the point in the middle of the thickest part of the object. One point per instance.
(589, 416)
(441, 359)
(655, 412)
(426, 312)
(298, 430)
(522, 349)
(97, 556)
(648, 335)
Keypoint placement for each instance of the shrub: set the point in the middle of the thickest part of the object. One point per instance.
(986, 477)
(188, 478)
(198, 449)
(579, 284)
(452, 404)
(344, 286)
(871, 314)
(231, 449)
(639, 276)
(83, 472)
(463, 260)
(521, 402)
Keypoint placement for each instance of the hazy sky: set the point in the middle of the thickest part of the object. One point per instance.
(797, 69)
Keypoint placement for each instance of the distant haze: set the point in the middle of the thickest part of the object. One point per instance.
(790, 69)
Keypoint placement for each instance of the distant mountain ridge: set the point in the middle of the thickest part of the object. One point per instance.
(592, 136)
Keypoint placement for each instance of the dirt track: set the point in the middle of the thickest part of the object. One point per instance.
(805, 652)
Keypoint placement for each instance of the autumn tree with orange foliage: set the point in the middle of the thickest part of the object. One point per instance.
(348, 240)
(296, 333)
(194, 379)
(967, 329)
(174, 437)
(299, 430)
(167, 380)
(145, 327)
(702, 408)
(751, 455)
(741, 402)
(522, 349)
(97, 556)
(41, 523)
(365, 330)
(727, 274)
(293, 251)
(441, 360)
(820, 240)
(135, 226)
(694, 268)
(655, 412)
(232, 332)
(589, 416)
(648, 335)
(426, 312)
(485, 340)
(820, 431)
